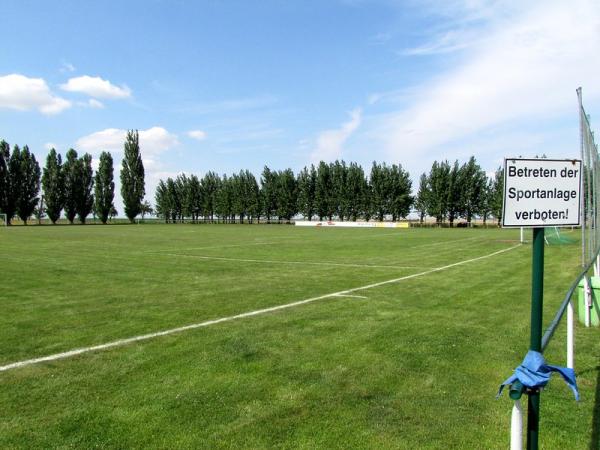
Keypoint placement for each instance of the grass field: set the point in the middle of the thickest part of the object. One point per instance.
(410, 362)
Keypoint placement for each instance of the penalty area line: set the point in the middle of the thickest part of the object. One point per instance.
(145, 337)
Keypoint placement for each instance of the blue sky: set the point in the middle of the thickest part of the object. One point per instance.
(230, 85)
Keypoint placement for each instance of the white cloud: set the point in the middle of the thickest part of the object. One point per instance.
(50, 145)
(67, 67)
(153, 141)
(95, 104)
(96, 87)
(525, 71)
(330, 142)
(197, 134)
(23, 94)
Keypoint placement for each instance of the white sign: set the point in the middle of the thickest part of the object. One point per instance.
(541, 192)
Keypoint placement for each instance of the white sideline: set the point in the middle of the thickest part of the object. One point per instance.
(304, 263)
(257, 312)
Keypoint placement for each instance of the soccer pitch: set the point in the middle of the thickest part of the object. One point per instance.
(246, 336)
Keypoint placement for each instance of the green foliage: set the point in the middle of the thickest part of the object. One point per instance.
(4, 174)
(25, 175)
(496, 193)
(380, 187)
(210, 186)
(439, 186)
(474, 189)
(400, 187)
(324, 192)
(454, 194)
(287, 194)
(306, 182)
(356, 192)
(8, 189)
(104, 187)
(161, 199)
(340, 200)
(72, 184)
(25, 180)
(132, 176)
(422, 198)
(53, 185)
(146, 209)
(85, 197)
(268, 193)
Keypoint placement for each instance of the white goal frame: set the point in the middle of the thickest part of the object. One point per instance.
(3, 217)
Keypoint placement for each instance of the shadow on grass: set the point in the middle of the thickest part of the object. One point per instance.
(595, 441)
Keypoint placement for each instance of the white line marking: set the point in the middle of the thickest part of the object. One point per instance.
(257, 312)
(447, 242)
(216, 246)
(271, 261)
(348, 295)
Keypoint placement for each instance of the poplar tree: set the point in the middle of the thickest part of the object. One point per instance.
(28, 185)
(422, 199)
(355, 191)
(400, 187)
(323, 192)
(53, 185)
(380, 184)
(6, 191)
(268, 193)
(85, 198)
(161, 198)
(340, 198)
(454, 193)
(287, 195)
(496, 194)
(474, 188)
(437, 205)
(132, 176)
(252, 193)
(72, 184)
(104, 187)
(209, 186)
(306, 191)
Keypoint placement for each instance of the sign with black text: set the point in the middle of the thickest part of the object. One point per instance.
(541, 192)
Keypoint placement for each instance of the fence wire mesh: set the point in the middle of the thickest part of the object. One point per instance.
(589, 204)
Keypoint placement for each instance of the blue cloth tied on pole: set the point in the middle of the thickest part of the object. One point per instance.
(535, 373)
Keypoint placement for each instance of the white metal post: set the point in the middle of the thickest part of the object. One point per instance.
(522, 239)
(570, 336)
(597, 266)
(588, 300)
(516, 426)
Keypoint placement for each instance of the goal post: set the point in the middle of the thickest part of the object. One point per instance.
(3, 220)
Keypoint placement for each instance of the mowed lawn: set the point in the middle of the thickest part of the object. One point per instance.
(411, 363)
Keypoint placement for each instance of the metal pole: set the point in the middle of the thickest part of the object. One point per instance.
(582, 208)
(537, 306)
(587, 290)
(522, 237)
(516, 426)
(570, 336)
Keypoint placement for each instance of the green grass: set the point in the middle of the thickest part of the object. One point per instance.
(416, 364)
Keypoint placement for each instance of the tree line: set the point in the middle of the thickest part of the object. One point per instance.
(453, 191)
(70, 186)
(336, 190)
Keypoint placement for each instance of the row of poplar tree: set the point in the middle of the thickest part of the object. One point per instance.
(69, 186)
(453, 191)
(327, 191)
